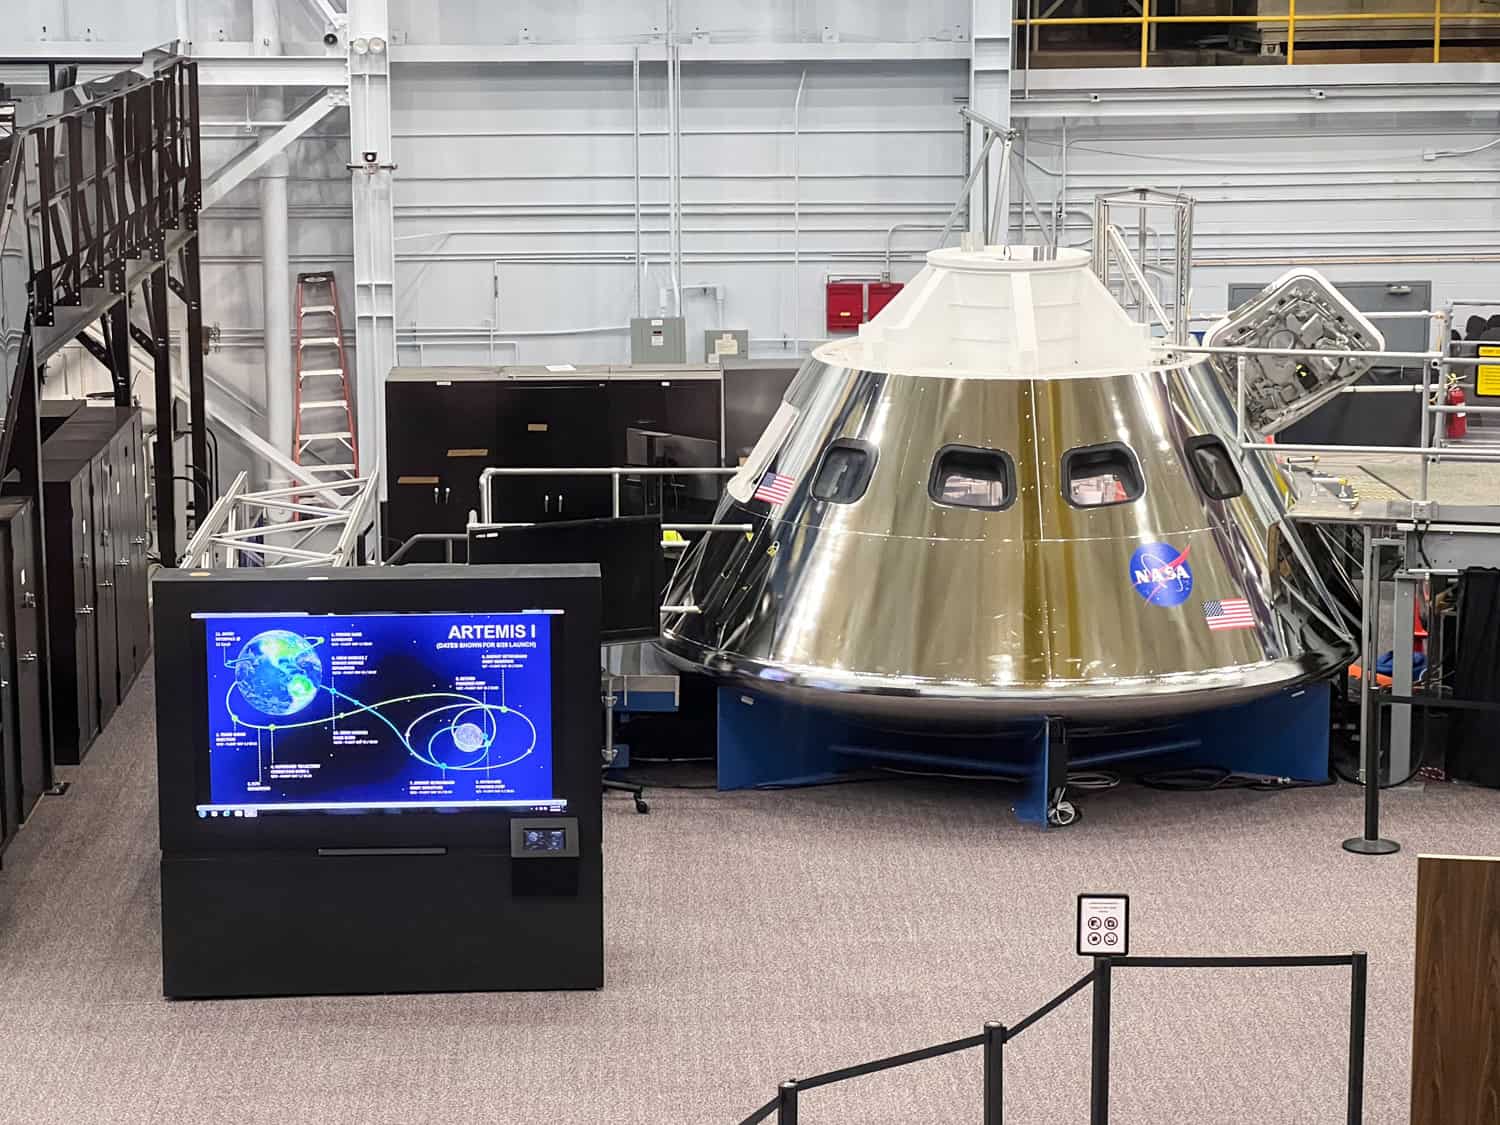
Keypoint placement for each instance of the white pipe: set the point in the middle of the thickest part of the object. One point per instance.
(677, 153)
(674, 183)
(276, 272)
(635, 102)
(797, 216)
(184, 25)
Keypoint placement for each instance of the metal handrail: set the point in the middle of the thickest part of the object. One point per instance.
(1148, 19)
(615, 472)
(1437, 362)
(445, 537)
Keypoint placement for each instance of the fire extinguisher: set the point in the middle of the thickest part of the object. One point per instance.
(1458, 422)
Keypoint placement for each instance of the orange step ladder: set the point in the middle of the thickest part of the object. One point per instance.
(324, 440)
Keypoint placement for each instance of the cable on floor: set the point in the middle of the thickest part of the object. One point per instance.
(946, 775)
(1354, 779)
(1203, 779)
(1084, 780)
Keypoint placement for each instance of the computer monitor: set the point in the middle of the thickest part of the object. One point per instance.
(360, 706)
(629, 553)
(337, 712)
(659, 449)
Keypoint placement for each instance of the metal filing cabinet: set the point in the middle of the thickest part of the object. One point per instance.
(131, 539)
(13, 803)
(25, 766)
(91, 458)
(94, 481)
(117, 435)
(72, 633)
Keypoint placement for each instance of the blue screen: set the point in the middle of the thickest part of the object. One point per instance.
(365, 711)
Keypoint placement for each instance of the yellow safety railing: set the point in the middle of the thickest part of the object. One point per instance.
(1146, 20)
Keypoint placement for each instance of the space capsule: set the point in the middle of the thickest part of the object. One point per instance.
(999, 499)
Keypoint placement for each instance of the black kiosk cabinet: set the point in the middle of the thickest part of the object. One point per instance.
(379, 779)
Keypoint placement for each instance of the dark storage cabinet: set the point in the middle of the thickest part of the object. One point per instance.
(25, 768)
(94, 482)
(444, 426)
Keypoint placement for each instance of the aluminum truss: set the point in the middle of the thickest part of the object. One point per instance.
(285, 526)
(108, 177)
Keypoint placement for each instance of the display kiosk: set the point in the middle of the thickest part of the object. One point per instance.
(379, 779)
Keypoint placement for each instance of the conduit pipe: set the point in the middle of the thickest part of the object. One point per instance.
(674, 172)
(635, 102)
(276, 269)
(797, 214)
(677, 151)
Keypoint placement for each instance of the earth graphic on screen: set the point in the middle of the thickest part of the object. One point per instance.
(278, 672)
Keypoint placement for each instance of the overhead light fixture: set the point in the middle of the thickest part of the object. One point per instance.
(360, 46)
(377, 45)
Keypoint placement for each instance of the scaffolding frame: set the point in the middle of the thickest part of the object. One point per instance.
(284, 526)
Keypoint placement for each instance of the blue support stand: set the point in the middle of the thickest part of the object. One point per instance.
(768, 742)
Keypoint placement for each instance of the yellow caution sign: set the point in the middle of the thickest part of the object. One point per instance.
(1487, 376)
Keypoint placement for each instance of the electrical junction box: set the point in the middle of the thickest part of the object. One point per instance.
(1103, 925)
(719, 343)
(658, 339)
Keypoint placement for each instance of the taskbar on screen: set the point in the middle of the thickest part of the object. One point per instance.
(527, 805)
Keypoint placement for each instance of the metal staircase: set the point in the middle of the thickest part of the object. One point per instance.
(324, 441)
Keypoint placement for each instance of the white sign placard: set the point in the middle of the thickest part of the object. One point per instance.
(1103, 925)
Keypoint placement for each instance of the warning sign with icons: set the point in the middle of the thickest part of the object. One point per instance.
(1103, 925)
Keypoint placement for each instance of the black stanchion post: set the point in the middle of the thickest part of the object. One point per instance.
(994, 1073)
(786, 1103)
(1371, 716)
(1099, 1086)
(1358, 974)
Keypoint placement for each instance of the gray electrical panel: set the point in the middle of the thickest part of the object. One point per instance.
(724, 343)
(658, 339)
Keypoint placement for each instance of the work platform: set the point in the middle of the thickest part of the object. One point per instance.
(1383, 487)
(1415, 526)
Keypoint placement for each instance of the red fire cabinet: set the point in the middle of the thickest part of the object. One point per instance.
(846, 305)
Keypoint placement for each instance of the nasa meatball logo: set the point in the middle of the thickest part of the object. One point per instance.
(1160, 574)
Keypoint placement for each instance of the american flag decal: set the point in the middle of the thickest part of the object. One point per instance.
(775, 488)
(1228, 613)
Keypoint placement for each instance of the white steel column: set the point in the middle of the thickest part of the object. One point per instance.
(276, 269)
(989, 94)
(374, 235)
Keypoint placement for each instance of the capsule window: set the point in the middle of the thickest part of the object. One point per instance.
(1214, 468)
(1096, 476)
(964, 476)
(845, 471)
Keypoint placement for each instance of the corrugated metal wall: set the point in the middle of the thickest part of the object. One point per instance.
(514, 205)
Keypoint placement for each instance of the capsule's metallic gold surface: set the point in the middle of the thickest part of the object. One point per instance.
(900, 604)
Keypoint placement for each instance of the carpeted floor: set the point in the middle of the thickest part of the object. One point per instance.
(751, 937)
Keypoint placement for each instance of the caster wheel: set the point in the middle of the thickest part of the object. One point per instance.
(641, 806)
(1063, 813)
